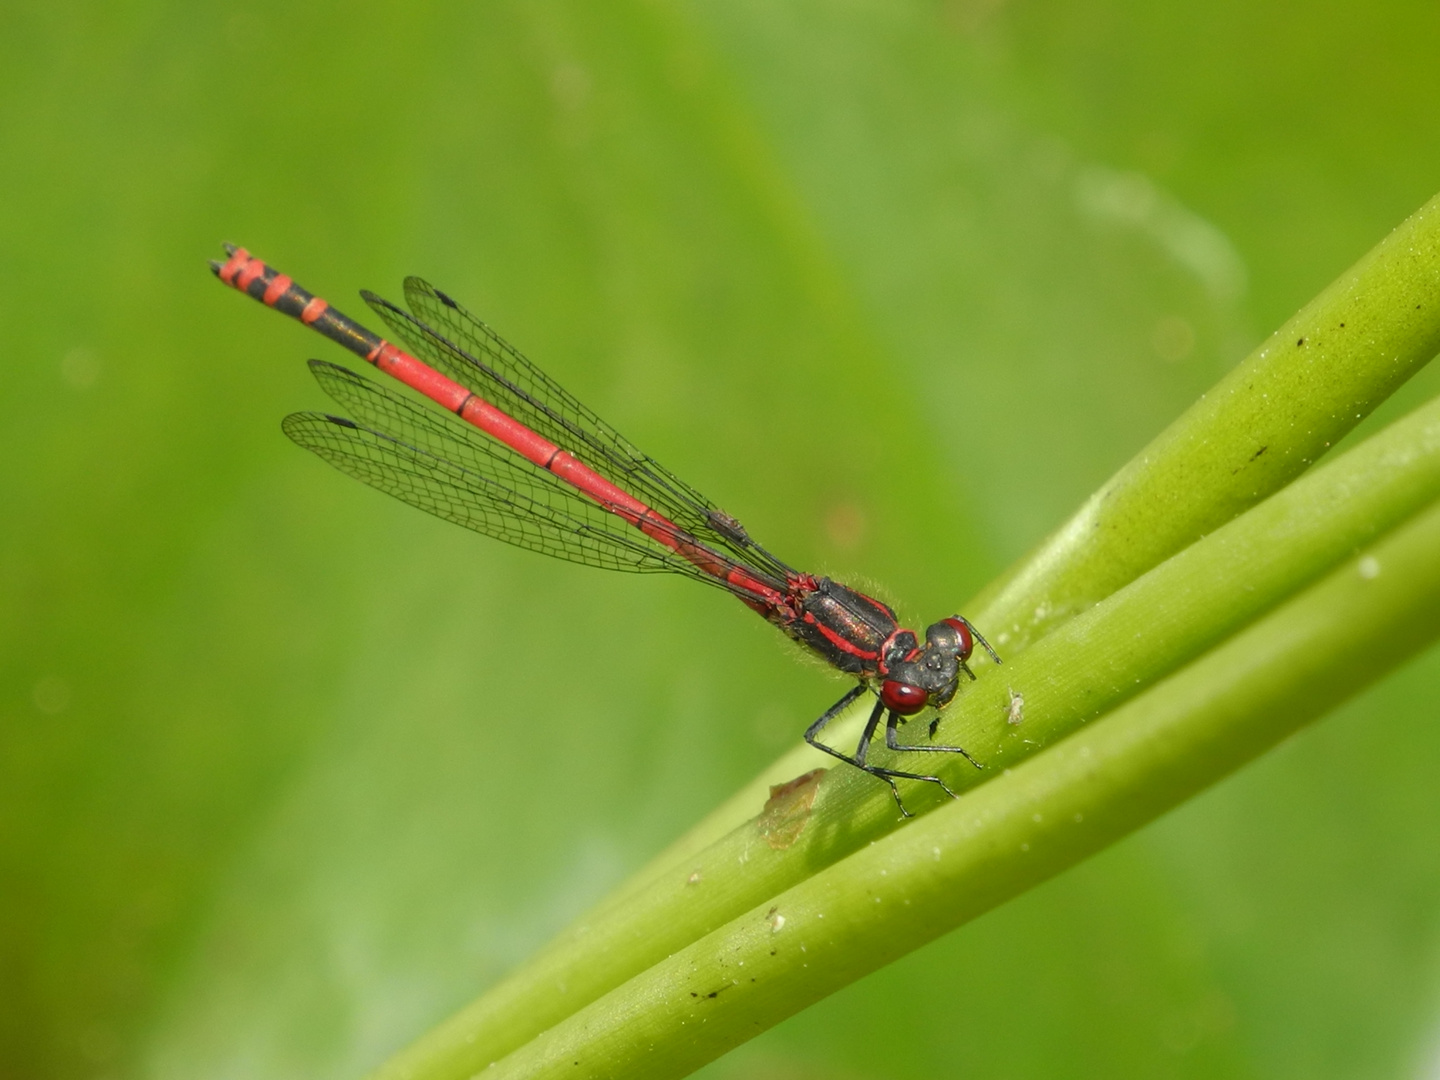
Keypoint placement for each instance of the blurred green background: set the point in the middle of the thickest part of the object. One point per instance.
(288, 771)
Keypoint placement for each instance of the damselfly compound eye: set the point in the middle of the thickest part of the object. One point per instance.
(905, 699)
(967, 641)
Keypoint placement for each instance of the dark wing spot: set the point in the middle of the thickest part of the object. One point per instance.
(445, 299)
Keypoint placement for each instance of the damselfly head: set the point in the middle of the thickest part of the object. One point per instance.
(930, 674)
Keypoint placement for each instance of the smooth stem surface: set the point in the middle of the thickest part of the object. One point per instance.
(1028, 825)
(1142, 633)
(1278, 411)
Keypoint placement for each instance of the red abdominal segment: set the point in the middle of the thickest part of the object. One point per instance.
(242, 271)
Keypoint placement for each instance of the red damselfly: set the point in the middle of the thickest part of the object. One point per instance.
(516, 457)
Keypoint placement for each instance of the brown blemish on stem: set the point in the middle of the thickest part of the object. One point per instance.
(788, 809)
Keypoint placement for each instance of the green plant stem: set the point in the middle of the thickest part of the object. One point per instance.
(1142, 633)
(1278, 411)
(1028, 825)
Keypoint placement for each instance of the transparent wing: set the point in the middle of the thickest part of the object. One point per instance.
(438, 464)
(463, 347)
